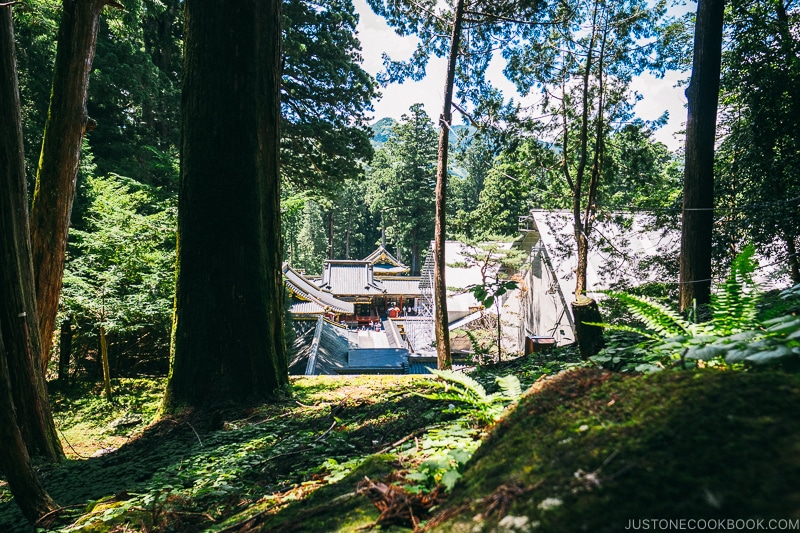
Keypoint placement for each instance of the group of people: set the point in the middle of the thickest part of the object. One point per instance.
(373, 324)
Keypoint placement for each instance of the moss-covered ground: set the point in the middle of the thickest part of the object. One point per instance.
(583, 450)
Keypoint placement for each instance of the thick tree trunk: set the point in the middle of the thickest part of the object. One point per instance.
(56, 176)
(698, 185)
(228, 343)
(590, 338)
(15, 462)
(441, 322)
(794, 263)
(18, 318)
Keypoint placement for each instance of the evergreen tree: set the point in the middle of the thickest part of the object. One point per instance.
(401, 183)
(26, 426)
(698, 184)
(583, 62)
(325, 96)
(228, 330)
(758, 172)
(67, 121)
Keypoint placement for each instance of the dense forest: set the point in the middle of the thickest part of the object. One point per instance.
(161, 160)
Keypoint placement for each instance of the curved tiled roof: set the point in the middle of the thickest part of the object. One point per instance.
(313, 300)
(385, 263)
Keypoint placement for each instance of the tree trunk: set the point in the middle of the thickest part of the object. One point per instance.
(15, 462)
(104, 361)
(698, 185)
(228, 343)
(330, 235)
(441, 322)
(18, 318)
(794, 264)
(64, 352)
(590, 338)
(56, 176)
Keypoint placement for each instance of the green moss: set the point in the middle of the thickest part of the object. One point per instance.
(333, 507)
(611, 448)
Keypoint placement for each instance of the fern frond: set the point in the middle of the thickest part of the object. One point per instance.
(625, 329)
(735, 305)
(510, 386)
(657, 317)
(469, 385)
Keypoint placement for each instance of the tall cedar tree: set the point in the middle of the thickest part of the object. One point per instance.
(584, 61)
(67, 121)
(17, 307)
(18, 316)
(702, 95)
(228, 332)
(402, 183)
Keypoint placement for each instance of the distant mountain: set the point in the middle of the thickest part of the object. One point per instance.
(383, 128)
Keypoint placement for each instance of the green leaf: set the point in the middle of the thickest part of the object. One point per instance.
(705, 353)
(449, 479)
(773, 356)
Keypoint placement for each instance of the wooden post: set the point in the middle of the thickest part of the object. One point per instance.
(104, 358)
(590, 338)
(65, 352)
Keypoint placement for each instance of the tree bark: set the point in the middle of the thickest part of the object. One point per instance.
(441, 322)
(698, 185)
(16, 298)
(794, 263)
(228, 343)
(67, 121)
(590, 338)
(15, 462)
(18, 318)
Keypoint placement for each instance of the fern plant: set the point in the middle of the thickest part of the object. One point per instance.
(459, 387)
(733, 335)
(735, 305)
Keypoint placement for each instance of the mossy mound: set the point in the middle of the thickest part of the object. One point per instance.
(589, 450)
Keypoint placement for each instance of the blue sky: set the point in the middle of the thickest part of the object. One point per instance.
(376, 37)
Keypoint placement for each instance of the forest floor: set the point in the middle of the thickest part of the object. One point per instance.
(583, 450)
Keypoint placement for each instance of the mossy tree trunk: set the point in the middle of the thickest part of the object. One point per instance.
(18, 317)
(698, 183)
(15, 462)
(228, 343)
(441, 322)
(18, 333)
(67, 121)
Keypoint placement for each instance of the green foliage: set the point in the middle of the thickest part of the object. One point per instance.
(733, 336)
(757, 174)
(441, 456)
(325, 96)
(459, 387)
(660, 321)
(735, 304)
(401, 181)
(120, 268)
(518, 180)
